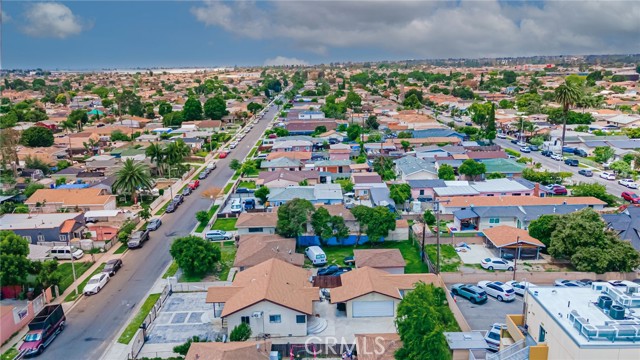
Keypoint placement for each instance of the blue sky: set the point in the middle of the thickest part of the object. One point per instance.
(116, 34)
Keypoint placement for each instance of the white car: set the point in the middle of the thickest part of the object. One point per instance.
(608, 175)
(628, 183)
(493, 336)
(501, 136)
(233, 145)
(497, 264)
(497, 289)
(520, 287)
(556, 157)
(95, 284)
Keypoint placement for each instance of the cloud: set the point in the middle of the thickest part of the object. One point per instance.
(464, 28)
(52, 20)
(4, 17)
(282, 61)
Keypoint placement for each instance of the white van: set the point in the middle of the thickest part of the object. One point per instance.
(316, 255)
(65, 253)
(608, 175)
(236, 206)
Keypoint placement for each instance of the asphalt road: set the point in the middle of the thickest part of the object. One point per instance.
(95, 321)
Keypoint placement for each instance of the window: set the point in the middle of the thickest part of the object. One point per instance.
(40, 237)
(63, 238)
(494, 220)
(542, 334)
(245, 320)
(421, 192)
(28, 238)
(275, 318)
(255, 230)
(301, 319)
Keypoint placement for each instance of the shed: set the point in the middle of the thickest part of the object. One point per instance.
(513, 242)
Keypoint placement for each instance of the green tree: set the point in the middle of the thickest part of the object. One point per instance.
(595, 190)
(621, 167)
(145, 213)
(293, 217)
(423, 317)
(235, 164)
(195, 255)
(37, 136)
(542, 228)
(248, 167)
(241, 332)
(173, 119)
(372, 122)
(32, 188)
(320, 222)
(131, 177)
(215, 108)
(32, 162)
(354, 131)
(156, 154)
(509, 77)
(429, 218)
(164, 108)
(567, 95)
(8, 120)
(262, 194)
(472, 169)
(61, 99)
(380, 222)
(202, 216)
(118, 135)
(400, 193)
(384, 167)
(14, 265)
(254, 108)
(412, 102)
(446, 172)
(353, 100)
(184, 348)
(490, 130)
(603, 153)
(192, 109)
(346, 184)
(405, 145)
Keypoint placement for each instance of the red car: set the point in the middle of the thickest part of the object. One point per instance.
(557, 189)
(223, 154)
(194, 184)
(631, 197)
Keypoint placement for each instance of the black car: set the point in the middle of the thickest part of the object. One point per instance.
(585, 172)
(572, 162)
(178, 199)
(534, 148)
(171, 208)
(244, 191)
(514, 141)
(187, 191)
(112, 266)
(329, 270)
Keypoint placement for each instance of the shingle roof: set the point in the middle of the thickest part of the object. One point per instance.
(256, 248)
(264, 219)
(411, 165)
(432, 183)
(626, 224)
(69, 197)
(502, 166)
(379, 258)
(273, 280)
(281, 162)
(504, 235)
(241, 350)
(463, 201)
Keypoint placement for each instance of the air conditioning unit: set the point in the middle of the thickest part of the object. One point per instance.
(257, 314)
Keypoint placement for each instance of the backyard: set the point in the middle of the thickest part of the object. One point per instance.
(227, 256)
(228, 224)
(449, 259)
(247, 184)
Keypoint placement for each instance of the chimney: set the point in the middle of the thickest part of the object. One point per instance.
(536, 190)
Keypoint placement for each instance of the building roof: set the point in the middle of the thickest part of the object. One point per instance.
(69, 197)
(379, 258)
(508, 166)
(283, 162)
(254, 249)
(411, 165)
(34, 221)
(626, 224)
(366, 178)
(338, 210)
(499, 185)
(456, 191)
(503, 236)
(491, 201)
(273, 280)
(295, 155)
(263, 219)
(241, 350)
(465, 340)
(366, 280)
(378, 346)
(429, 183)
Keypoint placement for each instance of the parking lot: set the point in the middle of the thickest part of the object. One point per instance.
(482, 316)
(242, 198)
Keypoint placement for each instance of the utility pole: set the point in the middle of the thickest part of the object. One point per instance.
(515, 258)
(436, 208)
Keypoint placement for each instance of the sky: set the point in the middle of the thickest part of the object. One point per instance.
(86, 34)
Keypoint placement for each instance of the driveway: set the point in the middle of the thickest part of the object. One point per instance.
(482, 316)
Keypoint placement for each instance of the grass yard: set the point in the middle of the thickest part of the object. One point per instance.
(336, 254)
(252, 152)
(66, 273)
(133, 326)
(162, 209)
(449, 259)
(171, 271)
(73, 296)
(228, 187)
(247, 184)
(9, 354)
(225, 224)
(121, 249)
(210, 213)
(227, 256)
(236, 176)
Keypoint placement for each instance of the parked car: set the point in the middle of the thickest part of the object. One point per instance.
(514, 141)
(546, 153)
(499, 290)
(557, 189)
(210, 167)
(580, 153)
(585, 172)
(171, 207)
(242, 190)
(349, 260)
(628, 183)
(520, 287)
(608, 175)
(521, 144)
(316, 255)
(631, 197)
(329, 270)
(236, 206)
(493, 336)
(250, 204)
(194, 184)
(341, 271)
(568, 283)
(497, 264)
(525, 149)
(43, 329)
(65, 253)
(187, 191)
(203, 175)
(534, 148)
(556, 157)
(178, 199)
(217, 235)
(469, 292)
(112, 266)
(572, 162)
(567, 149)
(137, 239)
(501, 135)
(95, 284)
(223, 154)
(154, 224)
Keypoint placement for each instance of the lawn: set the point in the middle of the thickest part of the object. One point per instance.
(66, 273)
(225, 224)
(133, 326)
(236, 175)
(162, 209)
(336, 254)
(228, 188)
(227, 256)
(9, 354)
(123, 247)
(171, 271)
(210, 213)
(72, 296)
(252, 152)
(247, 184)
(449, 259)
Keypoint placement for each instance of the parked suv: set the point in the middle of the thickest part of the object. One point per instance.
(469, 292)
(572, 162)
(65, 253)
(631, 197)
(178, 199)
(500, 291)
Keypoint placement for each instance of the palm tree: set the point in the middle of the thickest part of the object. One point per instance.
(567, 95)
(68, 126)
(91, 146)
(156, 153)
(176, 152)
(131, 177)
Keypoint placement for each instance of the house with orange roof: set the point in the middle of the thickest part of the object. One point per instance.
(512, 242)
(254, 249)
(274, 298)
(52, 200)
(235, 350)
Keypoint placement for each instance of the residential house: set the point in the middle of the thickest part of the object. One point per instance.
(317, 194)
(363, 183)
(254, 249)
(443, 133)
(491, 187)
(43, 228)
(281, 164)
(514, 242)
(307, 127)
(310, 115)
(507, 167)
(412, 168)
(193, 142)
(286, 178)
(303, 156)
(274, 298)
(235, 350)
(339, 152)
(369, 292)
(389, 260)
(292, 145)
(52, 200)
(333, 166)
(422, 190)
(257, 223)
(341, 211)
(626, 224)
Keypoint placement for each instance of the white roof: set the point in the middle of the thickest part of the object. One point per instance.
(455, 191)
(499, 185)
(101, 213)
(34, 221)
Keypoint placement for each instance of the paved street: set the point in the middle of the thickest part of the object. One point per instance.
(95, 321)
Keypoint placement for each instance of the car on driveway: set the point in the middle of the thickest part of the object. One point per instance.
(217, 235)
(568, 283)
(112, 266)
(469, 292)
(631, 197)
(329, 270)
(556, 189)
(242, 190)
(95, 284)
(154, 224)
(493, 336)
(520, 287)
(500, 291)
(585, 172)
(496, 264)
(628, 183)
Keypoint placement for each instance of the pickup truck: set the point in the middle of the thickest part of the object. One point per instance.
(138, 238)
(43, 329)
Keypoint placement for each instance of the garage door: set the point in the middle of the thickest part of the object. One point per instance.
(372, 308)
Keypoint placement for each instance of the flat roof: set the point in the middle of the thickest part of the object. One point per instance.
(34, 221)
(561, 302)
(465, 340)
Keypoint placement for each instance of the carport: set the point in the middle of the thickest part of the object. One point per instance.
(513, 243)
